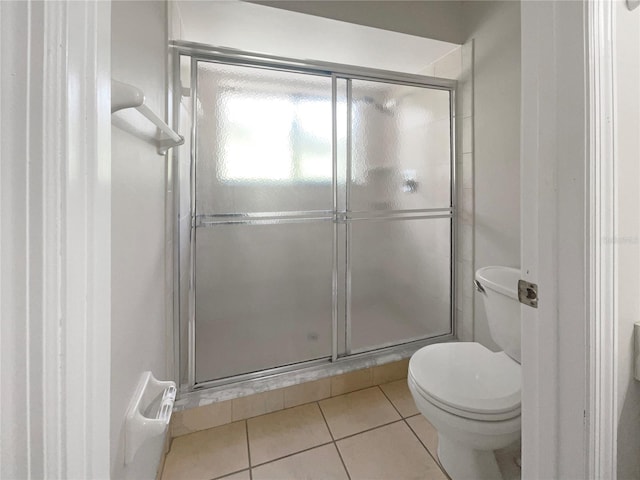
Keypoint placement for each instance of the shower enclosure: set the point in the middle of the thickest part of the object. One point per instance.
(321, 205)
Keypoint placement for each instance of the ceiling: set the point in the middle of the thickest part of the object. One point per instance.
(437, 19)
(274, 31)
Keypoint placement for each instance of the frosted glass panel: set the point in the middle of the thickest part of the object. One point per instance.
(264, 293)
(263, 140)
(400, 281)
(401, 157)
(263, 296)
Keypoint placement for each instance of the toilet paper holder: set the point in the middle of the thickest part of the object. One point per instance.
(148, 415)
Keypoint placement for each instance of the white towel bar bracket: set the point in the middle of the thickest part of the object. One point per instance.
(124, 95)
(164, 144)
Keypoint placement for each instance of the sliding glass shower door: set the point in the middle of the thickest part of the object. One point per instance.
(264, 231)
(399, 210)
(322, 216)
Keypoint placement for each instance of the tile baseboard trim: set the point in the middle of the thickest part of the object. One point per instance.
(199, 418)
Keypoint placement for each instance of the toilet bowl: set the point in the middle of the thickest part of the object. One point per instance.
(470, 394)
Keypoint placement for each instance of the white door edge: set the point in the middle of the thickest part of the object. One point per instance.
(538, 458)
(602, 355)
(567, 172)
(55, 240)
(87, 240)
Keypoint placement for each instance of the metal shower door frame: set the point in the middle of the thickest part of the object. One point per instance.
(205, 53)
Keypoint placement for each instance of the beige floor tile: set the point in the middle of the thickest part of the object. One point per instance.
(399, 394)
(207, 454)
(357, 411)
(285, 432)
(322, 463)
(243, 475)
(389, 452)
(426, 432)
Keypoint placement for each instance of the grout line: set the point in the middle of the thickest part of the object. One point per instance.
(344, 465)
(226, 475)
(392, 404)
(331, 395)
(301, 451)
(333, 439)
(350, 391)
(275, 411)
(370, 429)
(425, 447)
(404, 419)
(246, 429)
(291, 454)
(335, 445)
(326, 423)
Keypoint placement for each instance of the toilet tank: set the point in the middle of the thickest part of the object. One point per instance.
(499, 291)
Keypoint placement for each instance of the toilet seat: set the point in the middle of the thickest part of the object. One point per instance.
(467, 380)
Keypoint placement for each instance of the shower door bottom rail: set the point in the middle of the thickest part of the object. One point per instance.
(296, 373)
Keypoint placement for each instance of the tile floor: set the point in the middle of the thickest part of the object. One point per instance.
(374, 433)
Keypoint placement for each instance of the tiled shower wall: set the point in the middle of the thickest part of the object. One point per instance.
(458, 65)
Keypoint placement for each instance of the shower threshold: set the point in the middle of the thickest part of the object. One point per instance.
(249, 384)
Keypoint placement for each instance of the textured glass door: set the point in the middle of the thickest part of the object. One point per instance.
(264, 211)
(322, 217)
(399, 215)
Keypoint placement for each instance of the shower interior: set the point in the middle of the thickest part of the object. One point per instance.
(322, 214)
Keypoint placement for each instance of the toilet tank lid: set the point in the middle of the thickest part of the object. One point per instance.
(500, 279)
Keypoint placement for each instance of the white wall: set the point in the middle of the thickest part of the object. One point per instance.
(627, 143)
(494, 28)
(182, 185)
(139, 55)
(458, 65)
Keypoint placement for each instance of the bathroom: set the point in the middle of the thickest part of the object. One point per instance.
(227, 403)
(317, 386)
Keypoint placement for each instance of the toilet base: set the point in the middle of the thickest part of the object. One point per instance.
(464, 463)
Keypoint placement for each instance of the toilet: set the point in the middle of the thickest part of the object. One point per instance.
(469, 393)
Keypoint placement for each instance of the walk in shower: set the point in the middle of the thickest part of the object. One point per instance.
(321, 213)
